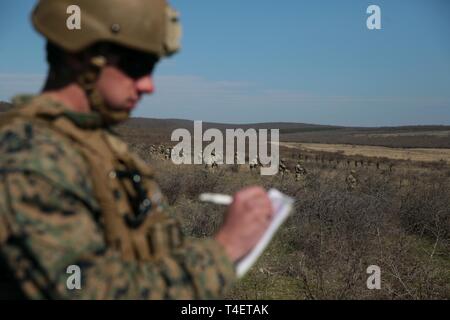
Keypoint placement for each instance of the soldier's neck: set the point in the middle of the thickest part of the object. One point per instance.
(71, 96)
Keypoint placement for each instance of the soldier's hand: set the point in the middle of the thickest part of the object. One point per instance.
(246, 220)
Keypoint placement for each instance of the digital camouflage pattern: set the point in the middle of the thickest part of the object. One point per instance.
(50, 219)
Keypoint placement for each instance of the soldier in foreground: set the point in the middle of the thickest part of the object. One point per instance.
(71, 193)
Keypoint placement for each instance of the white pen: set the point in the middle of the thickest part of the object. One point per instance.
(216, 198)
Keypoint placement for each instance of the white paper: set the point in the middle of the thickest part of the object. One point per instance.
(282, 205)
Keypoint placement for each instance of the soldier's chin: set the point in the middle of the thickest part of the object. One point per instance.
(127, 106)
(130, 105)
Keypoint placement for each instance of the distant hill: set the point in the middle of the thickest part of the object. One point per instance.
(287, 128)
(171, 124)
(148, 130)
(137, 130)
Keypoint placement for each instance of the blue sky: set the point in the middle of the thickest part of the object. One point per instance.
(298, 61)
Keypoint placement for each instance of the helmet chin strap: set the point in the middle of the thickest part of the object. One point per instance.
(87, 81)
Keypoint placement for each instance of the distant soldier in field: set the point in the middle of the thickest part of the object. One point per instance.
(351, 180)
(212, 160)
(236, 166)
(254, 164)
(208, 160)
(391, 166)
(282, 168)
(300, 171)
(73, 194)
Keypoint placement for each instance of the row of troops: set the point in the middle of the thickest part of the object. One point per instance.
(299, 169)
(165, 152)
(348, 161)
(214, 159)
(351, 180)
(161, 151)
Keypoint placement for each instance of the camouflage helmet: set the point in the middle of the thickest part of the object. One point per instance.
(150, 26)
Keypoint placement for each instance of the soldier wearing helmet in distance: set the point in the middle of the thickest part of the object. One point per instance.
(72, 193)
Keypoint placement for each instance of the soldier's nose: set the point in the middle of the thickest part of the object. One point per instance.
(145, 85)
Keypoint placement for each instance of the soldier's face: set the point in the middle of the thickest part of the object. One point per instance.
(124, 80)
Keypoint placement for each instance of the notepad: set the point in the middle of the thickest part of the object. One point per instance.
(282, 205)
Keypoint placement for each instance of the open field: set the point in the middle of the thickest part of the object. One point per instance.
(413, 154)
(442, 133)
(396, 215)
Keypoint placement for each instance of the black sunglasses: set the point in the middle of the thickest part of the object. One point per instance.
(137, 65)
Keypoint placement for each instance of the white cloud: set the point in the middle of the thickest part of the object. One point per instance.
(198, 98)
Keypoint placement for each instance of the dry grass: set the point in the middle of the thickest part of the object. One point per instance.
(398, 220)
(413, 154)
(397, 217)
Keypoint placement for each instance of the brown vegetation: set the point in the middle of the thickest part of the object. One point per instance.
(397, 217)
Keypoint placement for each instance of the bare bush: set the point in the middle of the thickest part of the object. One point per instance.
(398, 220)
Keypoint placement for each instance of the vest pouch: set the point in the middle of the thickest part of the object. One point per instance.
(163, 237)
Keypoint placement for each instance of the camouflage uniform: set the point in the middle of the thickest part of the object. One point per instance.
(51, 217)
(282, 168)
(168, 154)
(299, 171)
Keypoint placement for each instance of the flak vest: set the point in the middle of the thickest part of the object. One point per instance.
(132, 211)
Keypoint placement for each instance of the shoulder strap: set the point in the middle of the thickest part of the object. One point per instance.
(101, 161)
(4, 230)
(7, 227)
